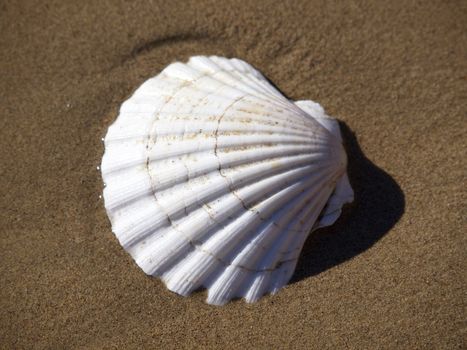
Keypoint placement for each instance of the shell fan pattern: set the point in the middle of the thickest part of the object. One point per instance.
(214, 179)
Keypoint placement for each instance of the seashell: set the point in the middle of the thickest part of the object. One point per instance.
(214, 179)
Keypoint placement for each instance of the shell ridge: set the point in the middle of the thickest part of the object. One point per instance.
(203, 234)
(227, 250)
(254, 83)
(253, 243)
(273, 257)
(151, 141)
(291, 118)
(297, 242)
(279, 102)
(276, 119)
(226, 281)
(154, 192)
(281, 219)
(283, 103)
(213, 193)
(310, 215)
(168, 217)
(224, 77)
(227, 164)
(261, 85)
(234, 125)
(287, 263)
(228, 148)
(237, 66)
(120, 161)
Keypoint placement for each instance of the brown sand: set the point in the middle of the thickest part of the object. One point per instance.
(390, 274)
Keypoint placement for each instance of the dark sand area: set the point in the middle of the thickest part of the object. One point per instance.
(390, 274)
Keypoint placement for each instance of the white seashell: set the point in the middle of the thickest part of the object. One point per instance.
(215, 179)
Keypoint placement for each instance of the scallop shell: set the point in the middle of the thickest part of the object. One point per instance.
(214, 179)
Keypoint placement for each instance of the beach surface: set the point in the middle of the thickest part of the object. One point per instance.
(390, 274)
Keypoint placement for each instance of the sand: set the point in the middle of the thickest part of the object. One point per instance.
(390, 274)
